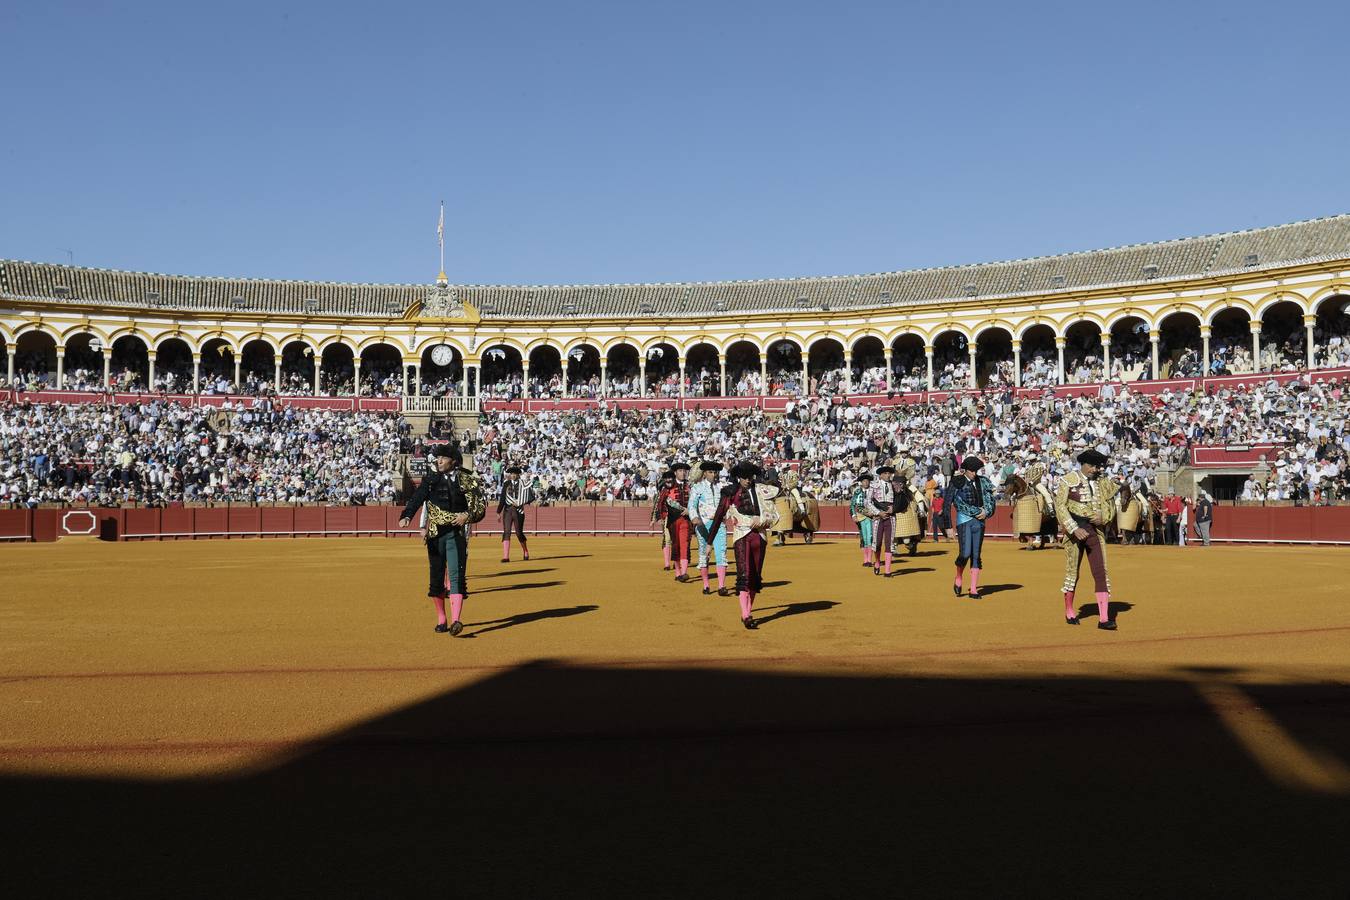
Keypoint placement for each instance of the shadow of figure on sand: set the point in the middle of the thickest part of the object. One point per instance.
(1113, 609)
(526, 618)
(795, 609)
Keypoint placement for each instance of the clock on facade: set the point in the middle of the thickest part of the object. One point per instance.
(442, 355)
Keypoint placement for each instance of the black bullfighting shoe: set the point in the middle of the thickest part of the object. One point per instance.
(1107, 626)
(456, 628)
(442, 628)
(749, 623)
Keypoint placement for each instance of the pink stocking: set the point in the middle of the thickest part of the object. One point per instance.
(665, 552)
(456, 606)
(524, 548)
(440, 609)
(506, 549)
(888, 562)
(745, 604)
(960, 571)
(1070, 611)
(721, 577)
(974, 580)
(703, 570)
(1103, 605)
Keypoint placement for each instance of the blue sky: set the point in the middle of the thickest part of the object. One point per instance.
(613, 141)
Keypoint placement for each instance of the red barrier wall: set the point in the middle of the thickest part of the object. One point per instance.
(1245, 523)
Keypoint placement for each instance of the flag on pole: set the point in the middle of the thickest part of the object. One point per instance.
(440, 226)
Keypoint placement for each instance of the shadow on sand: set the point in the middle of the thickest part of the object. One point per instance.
(632, 781)
(526, 618)
(794, 609)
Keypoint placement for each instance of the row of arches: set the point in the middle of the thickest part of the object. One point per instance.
(1128, 346)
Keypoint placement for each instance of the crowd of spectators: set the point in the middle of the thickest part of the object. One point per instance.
(617, 455)
(157, 452)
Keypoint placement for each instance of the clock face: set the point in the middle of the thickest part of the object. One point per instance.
(442, 355)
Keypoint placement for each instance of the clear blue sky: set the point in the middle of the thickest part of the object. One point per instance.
(632, 141)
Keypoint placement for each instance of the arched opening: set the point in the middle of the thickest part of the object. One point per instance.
(1083, 360)
(217, 367)
(663, 370)
(84, 362)
(502, 373)
(951, 361)
(4, 359)
(869, 365)
(1180, 350)
(1283, 341)
(297, 369)
(994, 358)
(337, 371)
(437, 379)
(381, 371)
(173, 367)
(1039, 356)
(1230, 342)
(621, 371)
(546, 376)
(701, 372)
(35, 361)
(129, 368)
(583, 371)
(909, 365)
(744, 378)
(257, 368)
(825, 365)
(1131, 354)
(784, 360)
(1331, 334)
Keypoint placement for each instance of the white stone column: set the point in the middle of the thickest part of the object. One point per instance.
(318, 369)
(806, 373)
(928, 353)
(1106, 356)
(9, 366)
(1059, 358)
(722, 374)
(525, 378)
(464, 370)
(681, 376)
(417, 377)
(1204, 354)
(60, 370)
(974, 375)
(107, 366)
(150, 358)
(196, 373)
(642, 375)
(763, 374)
(1255, 327)
(356, 375)
(1017, 363)
(604, 377)
(237, 361)
(1153, 352)
(848, 371)
(886, 351)
(276, 366)
(1309, 321)
(405, 378)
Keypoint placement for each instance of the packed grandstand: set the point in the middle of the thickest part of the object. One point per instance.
(132, 388)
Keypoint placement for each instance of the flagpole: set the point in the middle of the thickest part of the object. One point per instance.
(440, 237)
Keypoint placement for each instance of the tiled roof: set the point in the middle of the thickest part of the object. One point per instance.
(1262, 248)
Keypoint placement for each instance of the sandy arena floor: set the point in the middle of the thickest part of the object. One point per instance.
(279, 718)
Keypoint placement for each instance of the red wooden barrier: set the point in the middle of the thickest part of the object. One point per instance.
(212, 523)
(550, 518)
(46, 524)
(339, 519)
(276, 521)
(609, 520)
(370, 520)
(177, 521)
(244, 521)
(16, 524)
(309, 520)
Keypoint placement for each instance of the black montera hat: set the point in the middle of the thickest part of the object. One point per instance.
(745, 470)
(709, 465)
(447, 451)
(1093, 457)
(864, 476)
(972, 464)
(513, 470)
(675, 467)
(886, 470)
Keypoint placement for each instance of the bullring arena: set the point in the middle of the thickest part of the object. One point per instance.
(219, 680)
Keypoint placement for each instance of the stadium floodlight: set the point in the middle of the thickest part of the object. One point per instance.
(1150, 271)
(720, 305)
(569, 309)
(311, 304)
(647, 309)
(803, 302)
(238, 303)
(61, 291)
(394, 307)
(1250, 260)
(885, 296)
(972, 290)
(152, 297)
(1057, 281)
(487, 309)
